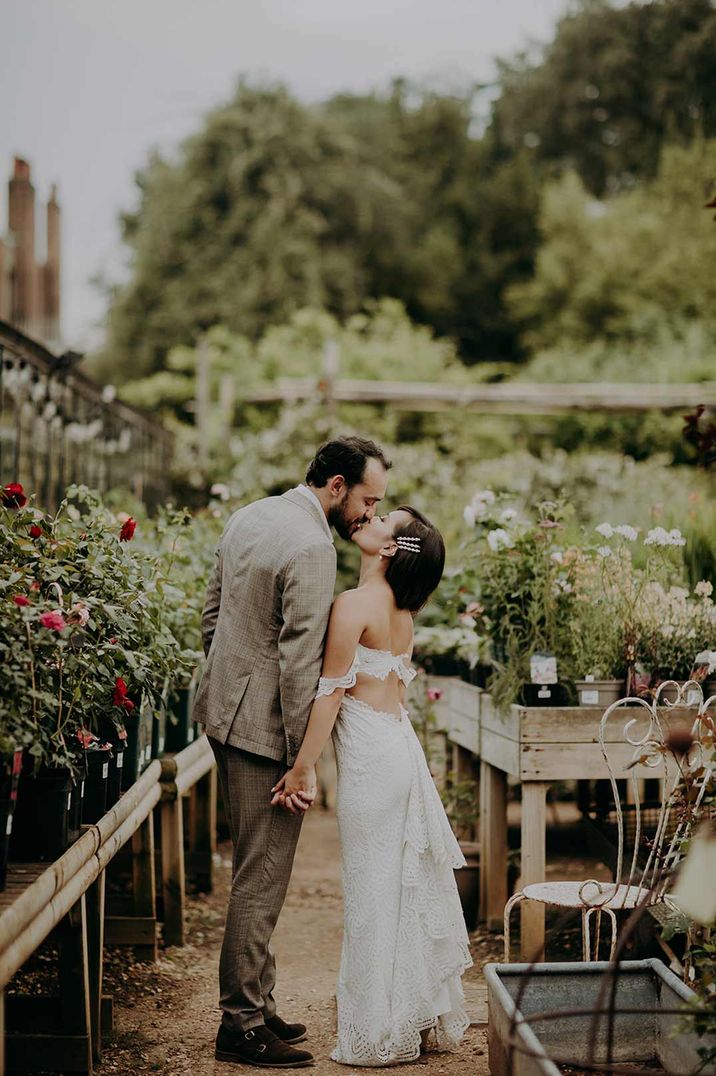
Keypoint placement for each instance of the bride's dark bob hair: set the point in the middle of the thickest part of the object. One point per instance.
(414, 576)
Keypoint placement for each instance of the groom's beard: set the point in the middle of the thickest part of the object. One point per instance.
(346, 528)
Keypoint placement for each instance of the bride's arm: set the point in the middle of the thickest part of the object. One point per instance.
(346, 625)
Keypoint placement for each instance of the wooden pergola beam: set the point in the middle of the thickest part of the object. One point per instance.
(508, 398)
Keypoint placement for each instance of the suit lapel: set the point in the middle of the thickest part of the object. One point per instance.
(313, 510)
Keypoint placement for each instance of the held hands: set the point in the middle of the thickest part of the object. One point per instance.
(296, 790)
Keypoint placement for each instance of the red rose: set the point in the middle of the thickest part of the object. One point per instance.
(34, 585)
(128, 528)
(35, 531)
(13, 496)
(120, 692)
(128, 705)
(20, 599)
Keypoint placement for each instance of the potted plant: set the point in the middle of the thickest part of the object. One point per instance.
(521, 583)
(460, 797)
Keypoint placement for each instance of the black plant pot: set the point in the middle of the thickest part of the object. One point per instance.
(181, 729)
(10, 767)
(546, 695)
(95, 798)
(133, 751)
(46, 814)
(117, 738)
(159, 730)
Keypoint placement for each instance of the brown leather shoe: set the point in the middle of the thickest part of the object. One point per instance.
(259, 1047)
(290, 1033)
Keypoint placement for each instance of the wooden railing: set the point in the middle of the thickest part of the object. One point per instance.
(58, 427)
(67, 899)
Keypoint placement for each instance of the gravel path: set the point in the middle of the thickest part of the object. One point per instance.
(166, 1014)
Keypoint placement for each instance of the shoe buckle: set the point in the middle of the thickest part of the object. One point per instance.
(250, 1035)
(260, 1049)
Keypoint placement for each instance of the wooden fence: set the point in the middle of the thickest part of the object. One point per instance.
(67, 899)
(58, 427)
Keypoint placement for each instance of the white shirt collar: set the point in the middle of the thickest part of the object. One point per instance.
(308, 492)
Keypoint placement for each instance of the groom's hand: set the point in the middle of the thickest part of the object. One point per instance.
(296, 791)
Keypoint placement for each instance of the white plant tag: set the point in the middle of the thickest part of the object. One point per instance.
(161, 744)
(544, 693)
(543, 669)
(589, 698)
(692, 697)
(8, 827)
(120, 760)
(105, 770)
(69, 800)
(82, 789)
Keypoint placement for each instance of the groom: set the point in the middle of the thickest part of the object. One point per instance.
(263, 626)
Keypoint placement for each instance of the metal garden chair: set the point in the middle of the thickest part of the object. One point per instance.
(682, 754)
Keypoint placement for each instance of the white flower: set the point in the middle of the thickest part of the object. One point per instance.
(481, 502)
(605, 529)
(220, 490)
(469, 515)
(564, 586)
(630, 533)
(498, 539)
(657, 536)
(604, 551)
(704, 589)
(676, 537)
(508, 515)
(558, 556)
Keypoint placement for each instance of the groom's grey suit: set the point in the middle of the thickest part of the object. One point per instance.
(263, 626)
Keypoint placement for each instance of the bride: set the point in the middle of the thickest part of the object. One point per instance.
(405, 946)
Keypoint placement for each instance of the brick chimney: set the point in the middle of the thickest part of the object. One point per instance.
(21, 219)
(51, 272)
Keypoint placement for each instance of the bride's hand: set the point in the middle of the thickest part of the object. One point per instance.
(296, 791)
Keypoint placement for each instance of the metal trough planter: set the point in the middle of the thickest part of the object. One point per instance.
(646, 1031)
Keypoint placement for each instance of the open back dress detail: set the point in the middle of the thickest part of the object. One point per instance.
(405, 945)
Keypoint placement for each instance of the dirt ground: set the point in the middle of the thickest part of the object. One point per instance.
(166, 1014)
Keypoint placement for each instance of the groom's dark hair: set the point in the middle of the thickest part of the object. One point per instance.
(346, 456)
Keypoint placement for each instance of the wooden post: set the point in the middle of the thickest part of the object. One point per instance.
(202, 831)
(173, 878)
(493, 845)
(94, 898)
(74, 975)
(144, 886)
(202, 402)
(534, 797)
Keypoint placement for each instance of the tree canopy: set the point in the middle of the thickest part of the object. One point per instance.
(273, 206)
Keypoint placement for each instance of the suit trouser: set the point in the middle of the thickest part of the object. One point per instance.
(264, 839)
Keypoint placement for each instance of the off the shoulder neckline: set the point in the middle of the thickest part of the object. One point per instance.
(389, 653)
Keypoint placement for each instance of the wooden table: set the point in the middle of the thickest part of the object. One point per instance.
(537, 746)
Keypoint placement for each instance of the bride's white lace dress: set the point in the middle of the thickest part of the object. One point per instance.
(405, 945)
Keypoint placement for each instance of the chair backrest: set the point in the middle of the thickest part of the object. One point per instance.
(669, 737)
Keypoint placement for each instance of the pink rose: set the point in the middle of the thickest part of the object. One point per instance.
(434, 694)
(53, 621)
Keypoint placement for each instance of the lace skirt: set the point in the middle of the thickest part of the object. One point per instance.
(405, 945)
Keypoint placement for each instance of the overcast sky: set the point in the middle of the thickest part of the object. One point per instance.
(90, 86)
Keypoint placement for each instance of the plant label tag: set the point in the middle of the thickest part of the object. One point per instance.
(82, 789)
(69, 800)
(589, 698)
(543, 669)
(192, 733)
(161, 744)
(8, 827)
(693, 697)
(120, 760)
(105, 770)
(544, 693)
(589, 678)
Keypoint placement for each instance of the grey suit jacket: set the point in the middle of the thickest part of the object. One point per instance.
(264, 624)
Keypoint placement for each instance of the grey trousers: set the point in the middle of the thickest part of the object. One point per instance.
(264, 840)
